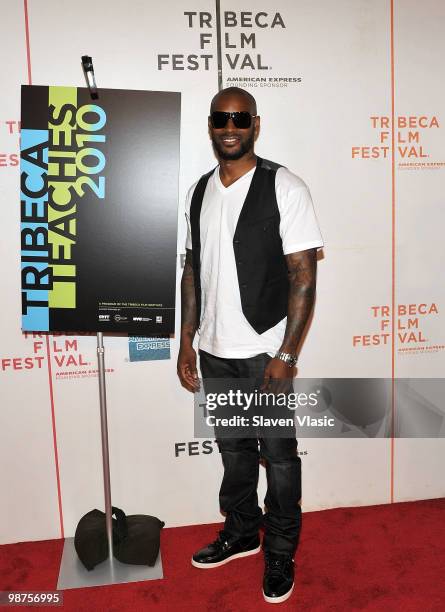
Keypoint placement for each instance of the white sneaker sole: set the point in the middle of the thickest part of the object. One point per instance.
(278, 599)
(240, 555)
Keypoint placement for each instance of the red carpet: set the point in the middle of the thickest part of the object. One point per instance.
(389, 557)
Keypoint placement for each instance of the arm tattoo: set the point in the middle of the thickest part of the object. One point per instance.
(302, 270)
(188, 300)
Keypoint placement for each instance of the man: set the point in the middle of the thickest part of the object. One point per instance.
(248, 288)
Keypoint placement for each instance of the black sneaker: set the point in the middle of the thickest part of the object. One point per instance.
(278, 580)
(224, 549)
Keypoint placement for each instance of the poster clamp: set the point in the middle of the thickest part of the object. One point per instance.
(72, 573)
(88, 70)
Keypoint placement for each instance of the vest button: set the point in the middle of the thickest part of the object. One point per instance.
(236, 242)
(244, 286)
(239, 262)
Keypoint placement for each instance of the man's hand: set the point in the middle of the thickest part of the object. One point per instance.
(187, 372)
(277, 377)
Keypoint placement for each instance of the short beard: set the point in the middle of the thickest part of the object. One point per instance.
(245, 147)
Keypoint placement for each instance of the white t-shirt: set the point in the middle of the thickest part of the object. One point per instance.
(224, 330)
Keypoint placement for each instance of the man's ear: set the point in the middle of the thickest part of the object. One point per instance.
(257, 126)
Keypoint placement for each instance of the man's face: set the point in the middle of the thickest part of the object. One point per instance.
(231, 142)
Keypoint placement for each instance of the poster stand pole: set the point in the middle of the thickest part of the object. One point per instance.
(72, 574)
(88, 68)
(104, 436)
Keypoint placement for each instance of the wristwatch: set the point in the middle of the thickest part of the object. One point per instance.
(291, 360)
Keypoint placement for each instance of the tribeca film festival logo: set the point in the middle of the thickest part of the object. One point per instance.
(408, 132)
(239, 41)
(410, 336)
(68, 360)
(195, 448)
(11, 128)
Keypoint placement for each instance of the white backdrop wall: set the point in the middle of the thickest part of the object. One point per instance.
(355, 74)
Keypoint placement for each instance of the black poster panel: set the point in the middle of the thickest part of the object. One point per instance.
(99, 200)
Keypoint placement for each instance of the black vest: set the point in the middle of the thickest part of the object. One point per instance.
(260, 262)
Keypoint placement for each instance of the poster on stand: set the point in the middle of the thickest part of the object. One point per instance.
(98, 209)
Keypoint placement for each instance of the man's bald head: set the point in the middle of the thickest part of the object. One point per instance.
(233, 92)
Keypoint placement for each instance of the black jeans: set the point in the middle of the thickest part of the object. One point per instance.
(238, 496)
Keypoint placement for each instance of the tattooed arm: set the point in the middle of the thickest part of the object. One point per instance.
(187, 371)
(302, 269)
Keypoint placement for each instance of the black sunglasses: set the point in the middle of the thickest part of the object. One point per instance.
(241, 120)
